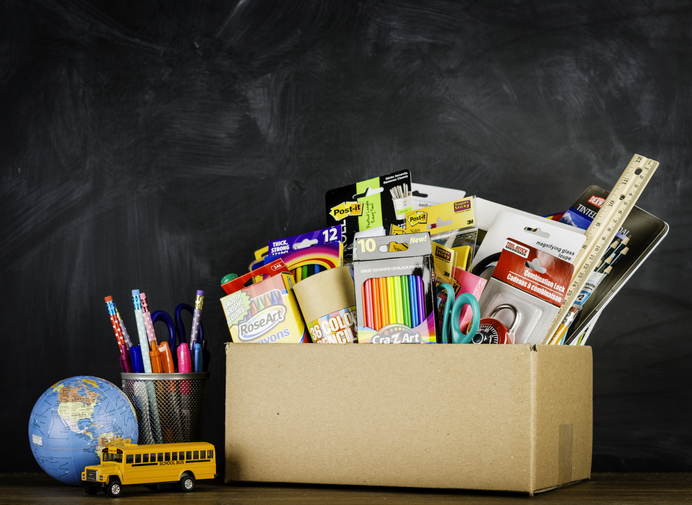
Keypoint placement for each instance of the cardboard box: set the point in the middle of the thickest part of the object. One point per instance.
(487, 417)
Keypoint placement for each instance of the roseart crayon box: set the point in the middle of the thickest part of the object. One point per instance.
(394, 283)
(264, 311)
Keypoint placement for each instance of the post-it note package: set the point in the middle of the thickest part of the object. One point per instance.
(265, 311)
(374, 203)
(394, 283)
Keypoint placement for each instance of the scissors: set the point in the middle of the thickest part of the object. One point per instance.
(177, 341)
(453, 310)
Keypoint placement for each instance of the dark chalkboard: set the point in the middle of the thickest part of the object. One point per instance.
(156, 144)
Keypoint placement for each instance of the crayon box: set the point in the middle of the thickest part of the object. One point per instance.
(394, 284)
(264, 311)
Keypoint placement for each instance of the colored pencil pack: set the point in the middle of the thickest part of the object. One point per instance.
(394, 284)
(308, 253)
(264, 311)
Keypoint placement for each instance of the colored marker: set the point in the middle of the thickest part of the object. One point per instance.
(405, 301)
(377, 307)
(384, 300)
(413, 301)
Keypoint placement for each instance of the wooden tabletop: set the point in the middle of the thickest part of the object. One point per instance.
(601, 489)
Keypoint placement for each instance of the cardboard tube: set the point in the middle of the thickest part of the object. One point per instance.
(325, 296)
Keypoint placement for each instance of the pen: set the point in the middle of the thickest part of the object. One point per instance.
(141, 331)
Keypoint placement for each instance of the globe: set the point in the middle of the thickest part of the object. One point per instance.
(73, 420)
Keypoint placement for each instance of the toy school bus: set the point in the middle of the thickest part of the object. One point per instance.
(124, 463)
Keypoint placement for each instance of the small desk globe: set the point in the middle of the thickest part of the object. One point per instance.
(73, 420)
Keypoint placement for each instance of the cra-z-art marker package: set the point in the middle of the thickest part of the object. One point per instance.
(265, 311)
(395, 289)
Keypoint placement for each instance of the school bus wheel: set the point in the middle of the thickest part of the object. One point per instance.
(114, 489)
(187, 482)
(91, 489)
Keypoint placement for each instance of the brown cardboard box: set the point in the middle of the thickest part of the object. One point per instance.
(490, 417)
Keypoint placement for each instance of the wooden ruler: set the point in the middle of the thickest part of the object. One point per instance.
(602, 231)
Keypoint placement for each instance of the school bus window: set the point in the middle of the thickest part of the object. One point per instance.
(138, 458)
(181, 455)
(195, 455)
(210, 454)
(153, 457)
(128, 459)
(175, 456)
(202, 454)
(160, 457)
(188, 455)
(118, 458)
(167, 456)
(145, 458)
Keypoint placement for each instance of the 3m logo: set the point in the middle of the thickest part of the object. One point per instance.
(597, 201)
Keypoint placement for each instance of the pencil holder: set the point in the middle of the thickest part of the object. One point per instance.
(170, 407)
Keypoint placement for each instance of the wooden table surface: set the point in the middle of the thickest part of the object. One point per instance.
(601, 489)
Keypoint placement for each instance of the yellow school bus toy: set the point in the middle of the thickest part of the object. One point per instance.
(124, 463)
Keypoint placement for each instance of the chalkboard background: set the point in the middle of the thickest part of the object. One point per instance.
(156, 144)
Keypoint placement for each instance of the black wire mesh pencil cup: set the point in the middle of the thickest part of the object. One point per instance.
(170, 407)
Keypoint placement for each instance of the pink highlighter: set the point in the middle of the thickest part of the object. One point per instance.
(184, 365)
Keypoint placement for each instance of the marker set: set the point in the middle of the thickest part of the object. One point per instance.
(394, 285)
(393, 300)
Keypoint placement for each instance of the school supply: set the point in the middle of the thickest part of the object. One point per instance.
(328, 304)
(308, 253)
(177, 336)
(639, 235)
(393, 278)
(462, 282)
(264, 311)
(600, 233)
(125, 362)
(451, 224)
(365, 205)
(533, 282)
(450, 313)
(558, 239)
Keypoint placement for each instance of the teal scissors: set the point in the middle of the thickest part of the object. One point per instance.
(452, 312)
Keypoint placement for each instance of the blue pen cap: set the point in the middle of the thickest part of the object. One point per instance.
(197, 357)
(136, 359)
